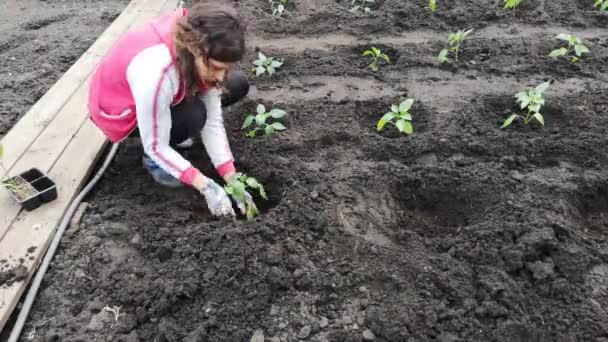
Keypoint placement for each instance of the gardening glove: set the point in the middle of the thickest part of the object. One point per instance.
(218, 202)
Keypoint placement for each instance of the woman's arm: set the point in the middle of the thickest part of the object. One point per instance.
(214, 134)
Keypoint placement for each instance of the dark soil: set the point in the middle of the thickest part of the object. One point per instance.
(39, 41)
(460, 232)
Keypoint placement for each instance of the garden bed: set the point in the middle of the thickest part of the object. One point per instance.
(459, 232)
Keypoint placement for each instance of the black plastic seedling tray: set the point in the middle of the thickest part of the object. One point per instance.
(31, 189)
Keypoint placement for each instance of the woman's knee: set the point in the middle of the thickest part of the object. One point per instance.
(237, 87)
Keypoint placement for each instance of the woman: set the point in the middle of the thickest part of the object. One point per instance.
(165, 79)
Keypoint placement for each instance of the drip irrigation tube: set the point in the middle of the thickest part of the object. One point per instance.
(44, 265)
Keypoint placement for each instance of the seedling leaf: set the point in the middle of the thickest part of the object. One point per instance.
(508, 121)
(539, 118)
(384, 120)
(558, 52)
(404, 126)
(278, 126)
(277, 113)
(261, 109)
(248, 121)
(406, 105)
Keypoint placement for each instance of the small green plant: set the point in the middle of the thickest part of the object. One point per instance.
(511, 4)
(575, 49)
(602, 5)
(361, 4)
(237, 187)
(278, 6)
(375, 54)
(455, 39)
(433, 5)
(399, 116)
(532, 99)
(265, 64)
(260, 124)
(11, 183)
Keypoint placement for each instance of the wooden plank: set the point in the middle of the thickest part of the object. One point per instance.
(35, 229)
(74, 144)
(19, 138)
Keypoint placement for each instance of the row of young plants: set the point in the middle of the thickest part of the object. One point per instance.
(399, 115)
(601, 5)
(277, 7)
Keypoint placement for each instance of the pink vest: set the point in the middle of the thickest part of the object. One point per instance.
(111, 104)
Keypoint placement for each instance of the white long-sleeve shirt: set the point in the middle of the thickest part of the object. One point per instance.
(154, 81)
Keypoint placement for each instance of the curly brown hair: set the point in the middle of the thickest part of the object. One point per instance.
(210, 30)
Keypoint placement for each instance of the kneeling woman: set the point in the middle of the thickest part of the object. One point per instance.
(166, 79)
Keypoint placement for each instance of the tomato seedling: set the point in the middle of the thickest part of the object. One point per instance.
(375, 54)
(455, 39)
(433, 5)
(511, 4)
(265, 64)
(532, 99)
(237, 187)
(602, 5)
(277, 6)
(260, 124)
(575, 49)
(399, 116)
(359, 4)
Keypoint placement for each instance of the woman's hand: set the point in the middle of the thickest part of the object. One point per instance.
(218, 202)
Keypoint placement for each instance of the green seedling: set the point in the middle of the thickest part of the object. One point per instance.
(11, 184)
(399, 116)
(265, 64)
(361, 4)
(455, 40)
(237, 187)
(602, 5)
(433, 5)
(575, 49)
(375, 54)
(259, 123)
(278, 6)
(532, 99)
(511, 4)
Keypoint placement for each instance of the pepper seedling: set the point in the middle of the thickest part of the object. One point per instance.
(575, 49)
(602, 5)
(237, 187)
(265, 64)
(455, 39)
(433, 5)
(375, 54)
(359, 4)
(532, 99)
(278, 6)
(399, 116)
(511, 4)
(260, 124)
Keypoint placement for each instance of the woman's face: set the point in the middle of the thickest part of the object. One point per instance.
(212, 72)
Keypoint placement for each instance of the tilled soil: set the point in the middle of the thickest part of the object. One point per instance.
(39, 41)
(460, 232)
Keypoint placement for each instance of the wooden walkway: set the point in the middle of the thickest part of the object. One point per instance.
(57, 137)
